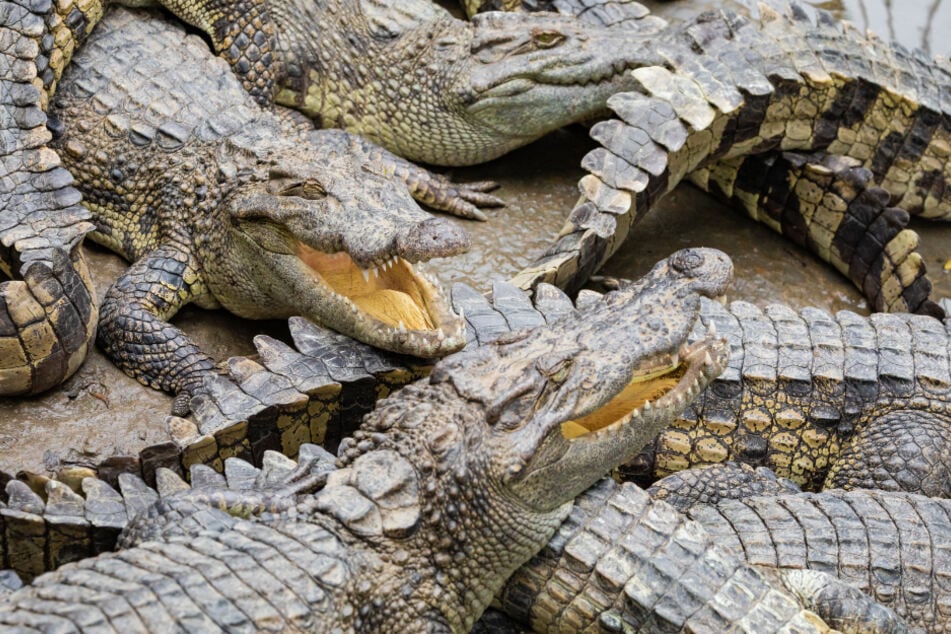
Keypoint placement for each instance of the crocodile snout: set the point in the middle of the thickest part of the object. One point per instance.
(432, 238)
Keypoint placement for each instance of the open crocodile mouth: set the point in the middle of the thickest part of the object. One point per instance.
(662, 388)
(405, 307)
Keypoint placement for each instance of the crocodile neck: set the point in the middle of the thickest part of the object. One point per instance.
(447, 533)
(343, 77)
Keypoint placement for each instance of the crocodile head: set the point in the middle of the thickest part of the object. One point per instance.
(445, 91)
(472, 470)
(325, 238)
(566, 404)
(524, 75)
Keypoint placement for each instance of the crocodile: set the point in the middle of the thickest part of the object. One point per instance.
(471, 124)
(140, 512)
(888, 544)
(440, 495)
(48, 307)
(839, 401)
(44, 532)
(883, 554)
(223, 204)
(824, 202)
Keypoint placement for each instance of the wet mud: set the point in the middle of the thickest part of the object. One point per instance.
(100, 412)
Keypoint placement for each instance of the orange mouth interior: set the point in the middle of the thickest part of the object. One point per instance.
(638, 391)
(393, 294)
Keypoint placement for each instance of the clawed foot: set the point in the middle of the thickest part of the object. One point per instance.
(459, 199)
(182, 405)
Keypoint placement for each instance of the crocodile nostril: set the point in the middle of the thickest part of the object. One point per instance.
(432, 238)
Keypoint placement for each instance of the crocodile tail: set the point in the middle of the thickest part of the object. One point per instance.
(828, 204)
(733, 87)
(48, 310)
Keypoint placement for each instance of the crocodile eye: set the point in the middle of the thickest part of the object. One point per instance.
(547, 39)
(308, 190)
(554, 368)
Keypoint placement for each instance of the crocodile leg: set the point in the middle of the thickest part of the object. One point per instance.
(134, 329)
(459, 199)
(903, 450)
(508, 310)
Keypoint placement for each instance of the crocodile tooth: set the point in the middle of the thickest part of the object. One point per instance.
(366, 275)
(707, 359)
(646, 406)
(712, 329)
(401, 326)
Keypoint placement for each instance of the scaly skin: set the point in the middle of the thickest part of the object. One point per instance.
(288, 396)
(505, 420)
(599, 12)
(176, 508)
(593, 231)
(844, 401)
(240, 31)
(890, 545)
(634, 564)
(48, 310)
(828, 204)
(244, 491)
(219, 204)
